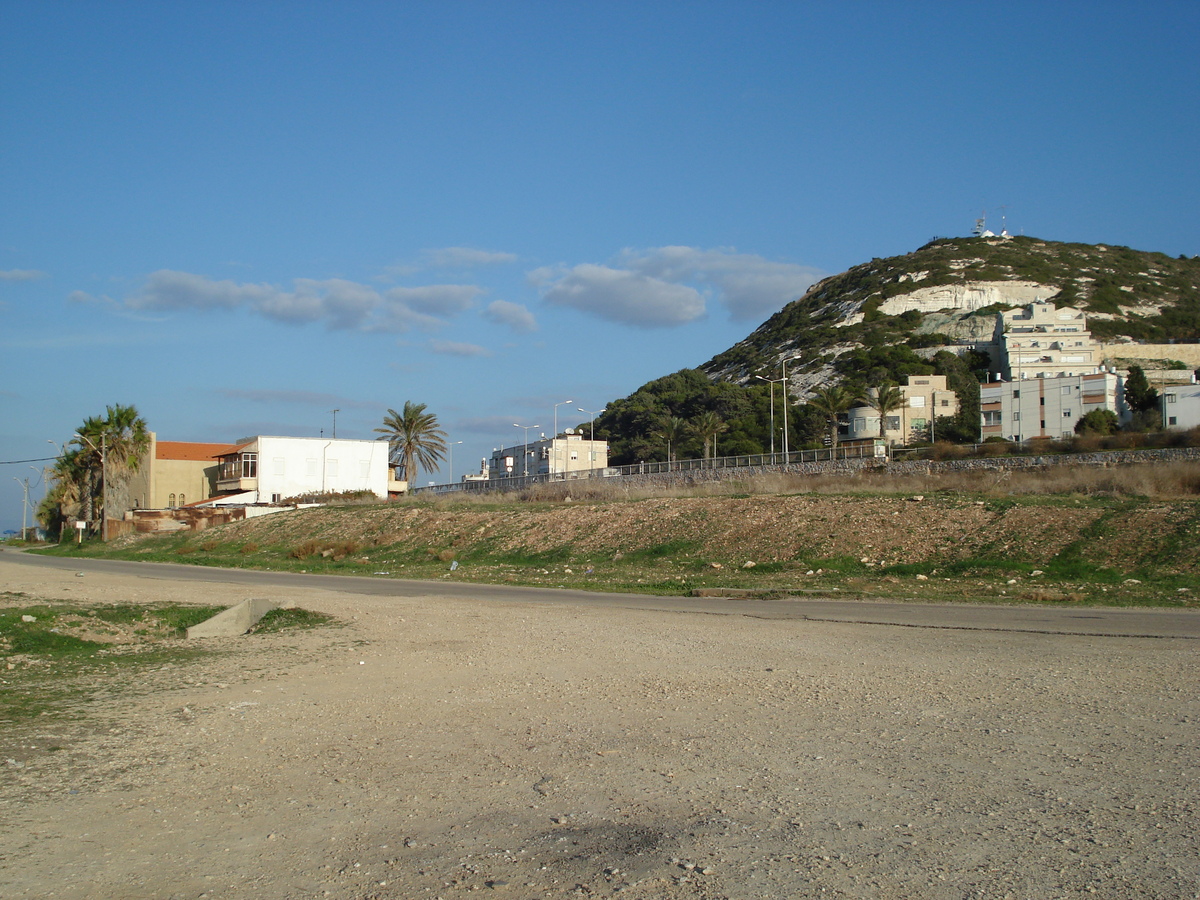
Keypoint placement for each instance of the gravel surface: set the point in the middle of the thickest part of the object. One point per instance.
(438, 748)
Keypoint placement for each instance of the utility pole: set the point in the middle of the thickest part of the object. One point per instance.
(335, 412)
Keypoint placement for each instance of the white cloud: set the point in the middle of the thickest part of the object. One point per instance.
(667, 286)
(514, 315)
(21, 275)
(339, 303)
(454, 348)
(621, 295)
(465, 257)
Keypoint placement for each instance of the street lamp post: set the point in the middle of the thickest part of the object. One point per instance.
(103, 481)
(592, 440)
(786, 397)
(772, 382)
(24, 504)
(450, 448)
(554, 437)
(525, 455)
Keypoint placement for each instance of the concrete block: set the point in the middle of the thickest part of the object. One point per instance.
(233, 621)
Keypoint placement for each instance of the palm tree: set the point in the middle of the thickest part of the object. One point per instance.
(884, 399)
(672, 430)
(708, 425)
(415, 441)
(831, 401)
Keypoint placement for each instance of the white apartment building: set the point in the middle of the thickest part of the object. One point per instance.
(1042, 341)
(566, 455)
(926, 397)
(1048, 407)
(270, 469)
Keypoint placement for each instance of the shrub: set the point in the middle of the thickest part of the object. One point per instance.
(305, 549)
(249, 547)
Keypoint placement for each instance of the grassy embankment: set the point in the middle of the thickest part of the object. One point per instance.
(1099, 536)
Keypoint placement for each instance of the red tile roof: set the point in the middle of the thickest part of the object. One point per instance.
(188, 450)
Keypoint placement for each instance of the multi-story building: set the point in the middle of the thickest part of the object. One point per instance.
(175, 473)
(925, 398)
(566, 455)
(268, 469)
(1048, 406)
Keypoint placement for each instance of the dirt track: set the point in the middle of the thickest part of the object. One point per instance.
(439, 748)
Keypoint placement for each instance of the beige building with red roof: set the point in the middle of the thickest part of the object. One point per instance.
(175, 473)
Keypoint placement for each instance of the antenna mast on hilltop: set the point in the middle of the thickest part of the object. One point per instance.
(1003, 222)
(980, 229)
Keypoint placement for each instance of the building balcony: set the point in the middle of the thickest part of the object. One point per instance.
(236, 485)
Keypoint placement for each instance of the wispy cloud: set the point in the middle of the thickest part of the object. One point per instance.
(454, 348)
(304, 398)
(620, 295)
(512, 315)
(337, 302)
(21, 275)
(668, 286)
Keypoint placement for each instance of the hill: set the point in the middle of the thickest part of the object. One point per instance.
(950, 290)
(929, 312)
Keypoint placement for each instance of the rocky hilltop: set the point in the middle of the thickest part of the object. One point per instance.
(950, 291)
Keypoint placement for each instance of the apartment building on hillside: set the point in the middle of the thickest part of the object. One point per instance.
(1048, 407)
(926, 397)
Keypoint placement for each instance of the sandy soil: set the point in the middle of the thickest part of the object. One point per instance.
(435, 748)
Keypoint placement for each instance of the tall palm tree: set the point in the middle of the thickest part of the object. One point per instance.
(831, 401)
(708, 425)
(672, 430)
(884, 399)
(415, 441)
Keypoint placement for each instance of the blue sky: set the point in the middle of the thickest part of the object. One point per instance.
(241, 216)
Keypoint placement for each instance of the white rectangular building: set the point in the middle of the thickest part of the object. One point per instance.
(1180, 404)
(567, 455)
(271, 469)
(1047, 407)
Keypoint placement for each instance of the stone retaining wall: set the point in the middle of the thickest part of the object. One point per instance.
(915, 466)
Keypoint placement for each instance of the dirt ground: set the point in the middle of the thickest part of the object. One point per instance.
(434, 748)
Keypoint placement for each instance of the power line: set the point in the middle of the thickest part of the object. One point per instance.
(13, 462)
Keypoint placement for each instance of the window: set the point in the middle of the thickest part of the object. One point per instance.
(275, 498)
(1171, 420)
(331, 468)
(945, 401)
(1066, 414)
(1066, 390)
(313, 467)
(182, 501)
(1016, 417)
(249, 465)
(991, 417)
(893, 423)
(277, 466)
(171, 501)
(1170, 398)
(916, 402)
(1016, 394)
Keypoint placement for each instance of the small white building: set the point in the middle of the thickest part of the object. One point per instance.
(1180, 405)
(270, 469)
(1048, 407)
(567, 455)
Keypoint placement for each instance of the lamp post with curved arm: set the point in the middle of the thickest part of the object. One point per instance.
(592, 438)
(525, 455)
(103, 481)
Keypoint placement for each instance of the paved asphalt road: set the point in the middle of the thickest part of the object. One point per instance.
(1152, 623)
